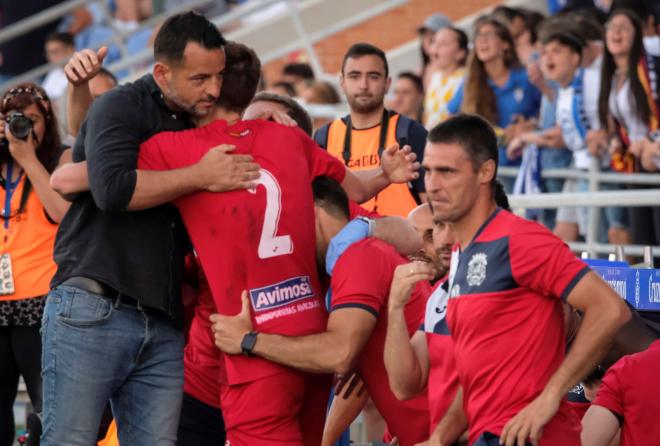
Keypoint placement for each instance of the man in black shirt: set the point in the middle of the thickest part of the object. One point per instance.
(112, 323)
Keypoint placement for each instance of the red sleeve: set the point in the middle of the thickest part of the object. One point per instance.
(321, 163)
(356, 210)
(357, 286)
(168, 150)
(542, 262)
(610, 394)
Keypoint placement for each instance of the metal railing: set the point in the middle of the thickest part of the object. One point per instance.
(594, 199)
(61, 10)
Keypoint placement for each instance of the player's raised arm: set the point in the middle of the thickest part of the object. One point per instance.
(406, 359)
(397, 166)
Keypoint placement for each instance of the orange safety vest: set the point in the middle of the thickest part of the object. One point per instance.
(29, 238)
(111, 438)
(396, 199)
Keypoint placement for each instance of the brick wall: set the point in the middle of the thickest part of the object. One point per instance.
(387, 31)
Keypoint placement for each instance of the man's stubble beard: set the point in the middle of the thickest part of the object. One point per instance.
(374, 105)
(191, 109)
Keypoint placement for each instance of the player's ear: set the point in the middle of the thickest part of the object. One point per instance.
(487, 171)
(162, 74)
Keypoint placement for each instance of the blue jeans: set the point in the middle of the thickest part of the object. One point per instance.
(553, 159)
(95, 352)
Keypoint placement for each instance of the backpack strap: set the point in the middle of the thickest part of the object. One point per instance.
(321, 136)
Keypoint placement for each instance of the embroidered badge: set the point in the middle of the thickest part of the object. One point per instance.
(518, 94)
(476, 273)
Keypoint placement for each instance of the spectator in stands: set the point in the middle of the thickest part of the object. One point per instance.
(297, 74)
(426, 32)
(526, 47)
(629, 100)
(360, 137)
(283, 88)
(497, 87)
(320, 92)
(32, 210)
(25, 52)
(450, 52)
(646, 10)
(408, 95)
(513, 18)
(626, 400)
(59, 48)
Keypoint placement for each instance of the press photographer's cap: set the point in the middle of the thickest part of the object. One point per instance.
(434, 22)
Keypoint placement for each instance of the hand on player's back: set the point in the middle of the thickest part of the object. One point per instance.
(220, 171)
(276, 116)
(229, 331)
(399, 166)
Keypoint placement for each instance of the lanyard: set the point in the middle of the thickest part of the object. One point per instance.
(384, 123)
(10, 187)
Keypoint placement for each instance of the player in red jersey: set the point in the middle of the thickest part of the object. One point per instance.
(627, 399)
(425, 361)
(507, 282)
(301, 297)
(261, 240)
(355, 333)
(202, 358)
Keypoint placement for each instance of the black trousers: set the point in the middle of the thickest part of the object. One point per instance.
(20, 354)
(200, 424)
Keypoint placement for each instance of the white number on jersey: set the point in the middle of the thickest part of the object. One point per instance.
(271, 244)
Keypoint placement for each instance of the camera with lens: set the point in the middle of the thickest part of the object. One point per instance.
(20, 126)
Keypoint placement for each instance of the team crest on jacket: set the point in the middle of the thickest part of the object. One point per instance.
(476, 273)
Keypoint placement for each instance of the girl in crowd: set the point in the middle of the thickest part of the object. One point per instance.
(31, 210)
(497, 87)
(450, 51)
(629, 107)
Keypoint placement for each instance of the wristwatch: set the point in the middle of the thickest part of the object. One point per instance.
(370, 224)
(248, 342)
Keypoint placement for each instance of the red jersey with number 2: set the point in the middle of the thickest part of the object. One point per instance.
(261, 240)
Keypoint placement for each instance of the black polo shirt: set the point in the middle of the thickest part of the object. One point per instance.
(139, 254)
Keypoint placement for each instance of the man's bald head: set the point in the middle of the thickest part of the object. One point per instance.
(421, 218)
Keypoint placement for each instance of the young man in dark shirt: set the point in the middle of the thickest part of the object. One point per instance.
(112, 323)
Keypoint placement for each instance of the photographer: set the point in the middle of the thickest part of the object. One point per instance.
(30, 149)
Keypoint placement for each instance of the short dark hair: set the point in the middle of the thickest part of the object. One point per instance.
(294, 109)
(587, 26)
(286, 86)
(107, 73)
(241, 77)
(179, 30)
(415, 79)
(330, 196)
(569, 39)
(473, 133)
(508, 12)
(298, 69)
(365, 49)
(65, 38)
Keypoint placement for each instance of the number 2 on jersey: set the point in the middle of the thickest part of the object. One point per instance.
(271, 244)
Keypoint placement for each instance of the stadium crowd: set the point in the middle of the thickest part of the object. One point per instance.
(191, 259)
